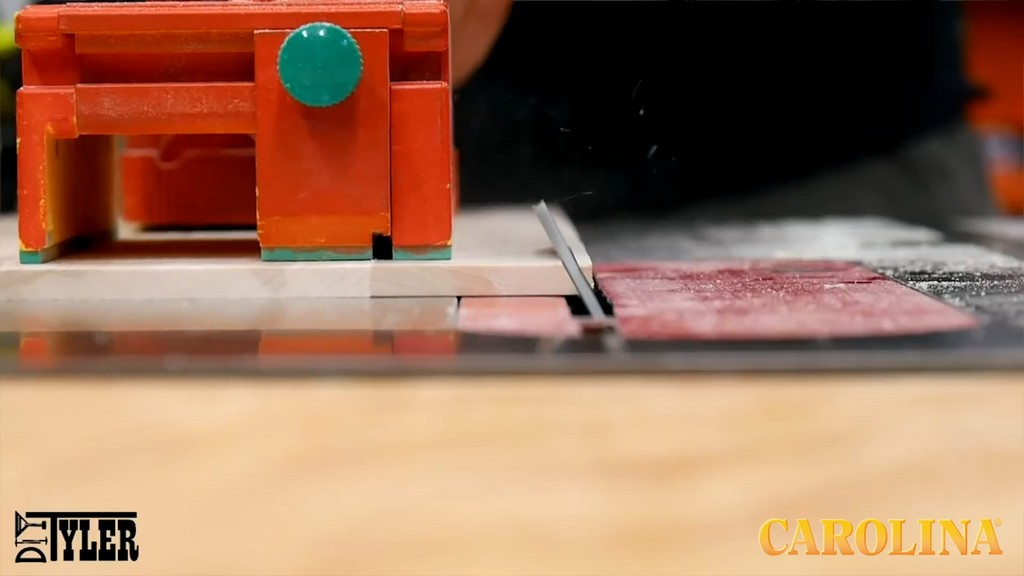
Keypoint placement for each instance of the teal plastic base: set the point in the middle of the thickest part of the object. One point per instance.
(315, 254)
(431, 253)
(38, 257)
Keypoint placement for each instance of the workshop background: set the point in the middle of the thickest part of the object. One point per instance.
(516, 140)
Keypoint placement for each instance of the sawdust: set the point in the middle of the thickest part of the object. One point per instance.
(876, 242)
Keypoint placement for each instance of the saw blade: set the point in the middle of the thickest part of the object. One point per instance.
(572, 266)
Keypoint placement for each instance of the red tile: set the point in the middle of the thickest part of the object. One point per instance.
(536, 317)
(768, 300)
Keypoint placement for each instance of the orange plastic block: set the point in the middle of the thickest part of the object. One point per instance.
(335, 189)
(324, 123)
(994, 60)
(422, 176)
(189, 181)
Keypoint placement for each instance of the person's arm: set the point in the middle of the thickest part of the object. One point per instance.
(475, 27)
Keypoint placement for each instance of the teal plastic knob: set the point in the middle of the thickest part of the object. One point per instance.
(320, 64)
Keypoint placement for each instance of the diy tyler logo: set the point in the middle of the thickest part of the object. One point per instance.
(75, 536)
(872, 537)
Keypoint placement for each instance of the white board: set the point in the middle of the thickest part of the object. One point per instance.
(499, 251)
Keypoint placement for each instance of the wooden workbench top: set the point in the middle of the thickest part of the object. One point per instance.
(668, 475)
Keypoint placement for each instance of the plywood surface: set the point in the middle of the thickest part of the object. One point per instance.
(584, 476)
(496, 252)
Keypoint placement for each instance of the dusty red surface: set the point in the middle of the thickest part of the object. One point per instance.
(530, 317)
(772, 300)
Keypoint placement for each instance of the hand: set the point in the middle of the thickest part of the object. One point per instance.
(475, 27)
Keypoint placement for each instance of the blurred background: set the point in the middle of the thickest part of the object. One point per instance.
(915, 111)
(995, 53)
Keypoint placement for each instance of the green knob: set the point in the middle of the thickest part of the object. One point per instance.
(320, 64)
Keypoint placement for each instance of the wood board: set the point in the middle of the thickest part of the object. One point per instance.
(670, 475)
(499, 251)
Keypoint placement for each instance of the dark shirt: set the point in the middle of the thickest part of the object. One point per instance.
(648, 106)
